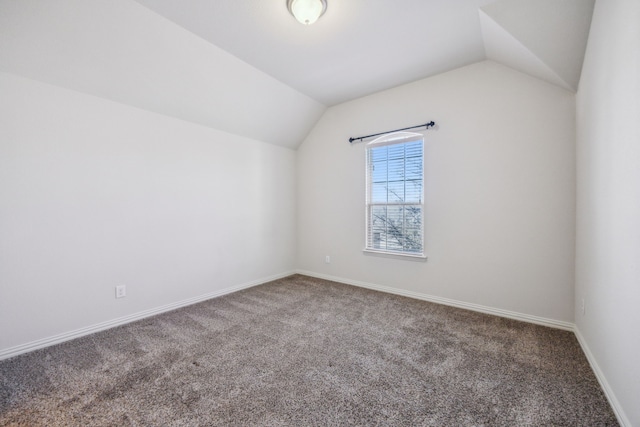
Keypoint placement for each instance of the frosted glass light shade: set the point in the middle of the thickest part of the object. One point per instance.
(307, 11)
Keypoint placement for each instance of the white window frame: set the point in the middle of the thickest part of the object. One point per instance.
(369, 247)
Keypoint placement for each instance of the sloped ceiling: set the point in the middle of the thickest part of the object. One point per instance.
(358, 47)
(119, 50)
(247, 67)
(544, 38)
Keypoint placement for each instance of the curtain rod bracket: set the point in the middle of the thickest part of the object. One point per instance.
(426, 126)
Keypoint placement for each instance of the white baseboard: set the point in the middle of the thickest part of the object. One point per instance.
(558, 324)
(611, 397)
(56, 339)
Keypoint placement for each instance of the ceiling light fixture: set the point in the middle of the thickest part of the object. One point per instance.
(307, 11)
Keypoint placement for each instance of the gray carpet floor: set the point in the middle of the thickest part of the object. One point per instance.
(306, 352)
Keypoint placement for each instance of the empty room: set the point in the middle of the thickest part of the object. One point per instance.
(319, 212)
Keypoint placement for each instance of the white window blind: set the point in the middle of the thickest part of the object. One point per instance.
(395, 199)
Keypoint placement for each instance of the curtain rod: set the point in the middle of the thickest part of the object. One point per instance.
(426, 126)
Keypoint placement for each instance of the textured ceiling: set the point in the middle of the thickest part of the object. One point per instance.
(249, 68)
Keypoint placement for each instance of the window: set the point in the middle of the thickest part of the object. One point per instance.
(395, 200)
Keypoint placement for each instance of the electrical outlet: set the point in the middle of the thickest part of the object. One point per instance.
(121, 291)
(327, 259)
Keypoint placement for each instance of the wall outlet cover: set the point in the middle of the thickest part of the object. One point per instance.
(121, 291)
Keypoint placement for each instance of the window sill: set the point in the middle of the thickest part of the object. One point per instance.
(394, 255)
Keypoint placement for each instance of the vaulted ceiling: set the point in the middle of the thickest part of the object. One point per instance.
(249, 68)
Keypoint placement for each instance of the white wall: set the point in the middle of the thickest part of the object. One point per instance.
(95, 194)
(500, 191)
(608, 202)
(122, 51)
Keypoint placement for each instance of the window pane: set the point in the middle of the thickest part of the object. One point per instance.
(413, 229)
(377, 223)
(378, 192)
(378, 154)
(413, 168)
(413, 148)
(395, 151)
(379, 171)
(413, 191)
(396, 192)
(396, 169)
(395, 236)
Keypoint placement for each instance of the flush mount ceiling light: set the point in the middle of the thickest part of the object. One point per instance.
(307, 11)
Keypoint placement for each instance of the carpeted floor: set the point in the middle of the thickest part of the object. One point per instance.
(306, 352)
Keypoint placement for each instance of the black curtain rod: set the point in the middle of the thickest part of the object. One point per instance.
(426, 126)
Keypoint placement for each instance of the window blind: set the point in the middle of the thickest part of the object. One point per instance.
(395, 200)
